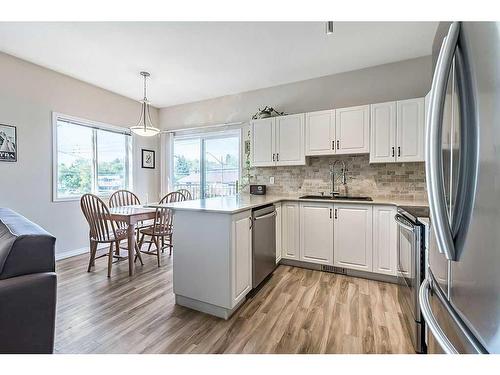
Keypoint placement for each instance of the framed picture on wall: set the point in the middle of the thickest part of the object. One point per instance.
(8, 143)
(148, 159)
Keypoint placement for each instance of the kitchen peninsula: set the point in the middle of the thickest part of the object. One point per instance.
(212, 265)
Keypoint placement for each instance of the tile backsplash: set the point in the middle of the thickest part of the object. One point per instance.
(389, 180)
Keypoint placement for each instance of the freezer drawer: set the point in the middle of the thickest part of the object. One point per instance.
(446, 333)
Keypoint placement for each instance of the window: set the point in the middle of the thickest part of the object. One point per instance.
(89, 158)
(208, 166)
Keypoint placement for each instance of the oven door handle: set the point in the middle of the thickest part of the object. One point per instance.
(403, 223)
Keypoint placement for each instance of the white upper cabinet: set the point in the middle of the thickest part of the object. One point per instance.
(320, 133)
(383, 132)
(353, 236)
(263, 142)
(352, 130)
(397, 131)
(384, 240)
(290, 230)
(278, 141)
(410, 130)
(290, 140)
(316, 232)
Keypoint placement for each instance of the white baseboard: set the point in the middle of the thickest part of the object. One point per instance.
(75, 252)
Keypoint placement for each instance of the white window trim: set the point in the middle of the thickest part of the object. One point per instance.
(94, 125)
(207, 135)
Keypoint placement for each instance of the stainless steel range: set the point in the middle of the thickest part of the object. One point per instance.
(410, 269)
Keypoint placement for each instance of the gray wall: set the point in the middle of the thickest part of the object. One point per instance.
(28, 96)
(400, 80)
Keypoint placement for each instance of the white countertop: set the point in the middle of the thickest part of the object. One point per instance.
(238, 203)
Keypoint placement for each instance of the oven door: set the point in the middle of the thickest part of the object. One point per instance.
(409, 277)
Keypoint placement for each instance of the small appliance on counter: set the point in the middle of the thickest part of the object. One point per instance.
(258, 189)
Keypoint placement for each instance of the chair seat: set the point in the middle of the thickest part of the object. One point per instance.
(121, 234)
(157, 230)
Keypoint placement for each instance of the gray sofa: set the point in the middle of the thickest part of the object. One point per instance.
(28, 286)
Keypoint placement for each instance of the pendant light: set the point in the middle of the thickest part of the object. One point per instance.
(145, 126)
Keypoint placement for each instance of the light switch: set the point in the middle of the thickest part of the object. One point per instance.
(271, 180)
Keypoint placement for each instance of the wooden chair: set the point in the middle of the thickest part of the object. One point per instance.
(102, 229)
(162, 228)
(123, 198)
(186, 193)
(175, 196)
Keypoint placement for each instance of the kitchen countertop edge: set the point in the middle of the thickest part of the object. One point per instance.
(249, 202)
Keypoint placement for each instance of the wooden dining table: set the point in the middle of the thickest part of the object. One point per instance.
(131, 215)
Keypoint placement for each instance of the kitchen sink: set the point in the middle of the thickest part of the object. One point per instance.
(337, 197)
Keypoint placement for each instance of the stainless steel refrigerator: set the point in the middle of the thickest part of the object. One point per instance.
(460, 297)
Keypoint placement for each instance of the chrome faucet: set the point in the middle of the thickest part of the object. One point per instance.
(332, 175)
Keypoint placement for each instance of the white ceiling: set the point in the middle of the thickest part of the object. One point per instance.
(191, 61)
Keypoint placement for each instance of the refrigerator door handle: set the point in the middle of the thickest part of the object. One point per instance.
(434, 159)
(430, 320)
(469, 145)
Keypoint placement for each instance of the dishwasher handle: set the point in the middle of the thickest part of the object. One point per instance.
(265, 216)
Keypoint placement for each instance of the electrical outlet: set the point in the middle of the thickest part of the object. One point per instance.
(271, 180)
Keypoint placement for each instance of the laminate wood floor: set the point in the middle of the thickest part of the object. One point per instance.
(297, 311)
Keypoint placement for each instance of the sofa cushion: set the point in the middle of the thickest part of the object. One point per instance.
(25, 247)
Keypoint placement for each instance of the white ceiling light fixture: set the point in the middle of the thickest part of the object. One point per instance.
(329, 27)
(145, 127)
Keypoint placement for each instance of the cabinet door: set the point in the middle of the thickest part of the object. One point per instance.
(383, 132)
(290, 140)
(316, 233)
(384, 240)
(352, 130)
(263, 142)
(411, 130)
(290, 230)
(320, 133)
(353, 236)
(278, 231)
(242, 256)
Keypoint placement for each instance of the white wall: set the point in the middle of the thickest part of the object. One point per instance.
(400, 80)
(28, 96)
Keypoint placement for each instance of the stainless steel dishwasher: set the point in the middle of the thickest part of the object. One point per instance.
(263, 243)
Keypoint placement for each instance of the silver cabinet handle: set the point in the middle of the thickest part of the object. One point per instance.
(265, 216)
(434, 160)
(425, 307)
(251, 222)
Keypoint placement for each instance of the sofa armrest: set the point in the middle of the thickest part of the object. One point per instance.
(27, 313)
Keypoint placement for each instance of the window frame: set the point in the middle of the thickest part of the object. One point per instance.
(96, 126)
(202, 136)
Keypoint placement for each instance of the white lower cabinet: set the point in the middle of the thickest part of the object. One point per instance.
(384, 240)
(290, 230)
(316, 232)
(353, 236)
(278, 231)
(241, 255)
